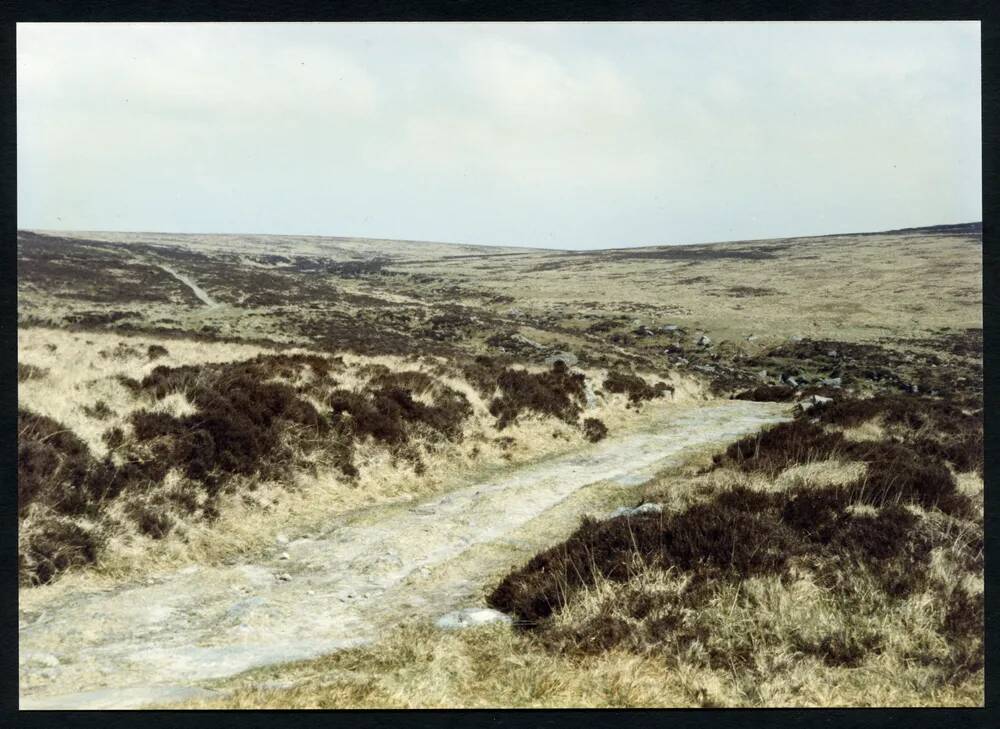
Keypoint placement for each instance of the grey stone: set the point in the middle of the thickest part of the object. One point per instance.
(832, 382)
(646, 508)
(470, 618)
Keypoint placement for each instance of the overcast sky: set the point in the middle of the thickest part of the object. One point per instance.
(582, 135)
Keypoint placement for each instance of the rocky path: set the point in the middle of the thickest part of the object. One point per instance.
(163, 638)
(197, 290)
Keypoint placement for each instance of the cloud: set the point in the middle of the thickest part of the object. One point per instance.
(577, 135)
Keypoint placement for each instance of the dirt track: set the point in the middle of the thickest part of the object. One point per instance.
(163, 639)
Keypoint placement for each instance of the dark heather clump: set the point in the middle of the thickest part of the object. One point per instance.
(784, 445)
(558, 392)
(155, 351)
(52, 464)
(27, 372)
(51, 545)
(99, 410)
(635, 387)
(768, 393)
(594, 430)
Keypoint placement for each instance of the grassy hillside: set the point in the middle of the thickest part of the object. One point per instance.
(184, 398)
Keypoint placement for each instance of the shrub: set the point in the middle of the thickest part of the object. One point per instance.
(558, 392)
(155, 351)
(29, 372)
(52, 464)
(635, 387)
(594, 430)
(783, 445)
(99, 410)
(767, 393)
(50, 544)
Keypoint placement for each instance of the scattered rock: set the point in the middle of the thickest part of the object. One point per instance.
(284, 555)
(762, 375)
(832, 382)
(520, 338)
(704, 340)
(470, 618)
(643, 331)
(283, 577)
(646, 508)
(567, 358)
(670, 328)
(588, 392)
(813, 400)
(751, 337)
(831, 353)
(515, 312)
(795, 338)
(281, 539)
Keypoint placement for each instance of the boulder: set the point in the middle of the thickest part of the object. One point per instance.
(704, 340)
(470, 618)
(646, 508)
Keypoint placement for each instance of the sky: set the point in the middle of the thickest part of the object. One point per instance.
(556, 135)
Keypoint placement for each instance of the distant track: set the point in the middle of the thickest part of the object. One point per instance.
(198, 291)
(163, 639)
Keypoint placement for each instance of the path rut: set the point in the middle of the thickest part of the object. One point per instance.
(160, 640)
(197, 290)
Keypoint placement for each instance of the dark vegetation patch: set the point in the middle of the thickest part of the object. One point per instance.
(27, 372)
(155, 351)
(697, 253)
(99, 410)
(52, 463)
(749, 291)
(558, 392)
(635, 387)
(768, 393)
(100, 319)
(594, 429)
